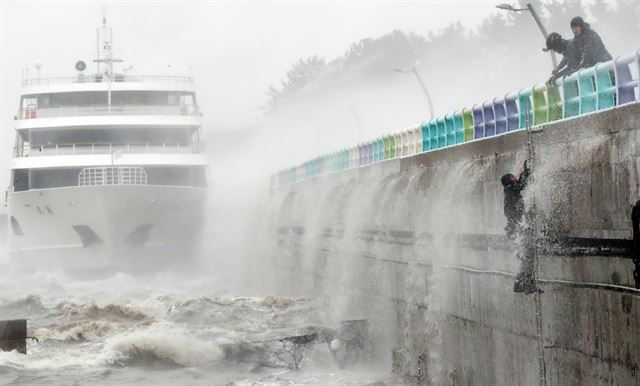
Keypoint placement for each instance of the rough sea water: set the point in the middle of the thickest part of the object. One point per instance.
(159, 329)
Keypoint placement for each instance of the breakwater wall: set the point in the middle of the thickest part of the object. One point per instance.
(417, 246)
(4, 236)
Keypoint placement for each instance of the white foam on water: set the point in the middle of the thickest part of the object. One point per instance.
(158, 329)
(161, 342)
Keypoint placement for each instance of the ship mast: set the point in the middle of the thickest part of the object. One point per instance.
(104, 55)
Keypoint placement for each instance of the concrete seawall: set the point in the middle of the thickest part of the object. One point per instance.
(4, 239)
(416, 245)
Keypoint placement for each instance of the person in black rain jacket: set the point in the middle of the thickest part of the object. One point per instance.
(588, 44)
(513, 202)
(635, 222)
(570, 61)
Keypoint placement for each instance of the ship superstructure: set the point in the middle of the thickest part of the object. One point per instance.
(108, 167)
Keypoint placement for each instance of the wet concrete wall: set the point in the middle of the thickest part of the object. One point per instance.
(417, 246)
(4, 235)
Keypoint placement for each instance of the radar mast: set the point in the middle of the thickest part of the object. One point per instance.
(104, 48)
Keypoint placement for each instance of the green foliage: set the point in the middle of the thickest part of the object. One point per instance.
(300, 75)
(364, 60)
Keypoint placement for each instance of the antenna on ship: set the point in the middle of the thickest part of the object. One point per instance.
(104, 54)
(104, 48)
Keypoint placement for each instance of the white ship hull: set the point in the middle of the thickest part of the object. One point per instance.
(95, 227)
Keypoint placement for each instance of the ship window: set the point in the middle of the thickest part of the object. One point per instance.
(151, 98)
(86, 98)
(29, 101)
(100, 98)
(24, 179)
(20, 180)
(177, 175)
(44, 101)
(156, 135)
(200, 176)
(186, 99)
(170, 176)
(52, 178)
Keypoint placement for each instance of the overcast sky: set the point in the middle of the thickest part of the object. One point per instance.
(234, 49)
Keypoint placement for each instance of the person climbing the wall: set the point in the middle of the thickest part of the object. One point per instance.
(570, 60)
(513, 202)
(589, 47)
(525, 280)
(635, 226)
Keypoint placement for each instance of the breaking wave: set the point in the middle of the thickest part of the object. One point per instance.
(159, 344)
(114, 333)
(91, 330)
(109, 312)
(30, 305)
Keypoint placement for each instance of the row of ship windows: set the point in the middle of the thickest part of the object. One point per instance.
(120, 135)
(28, 179)
(95, 98)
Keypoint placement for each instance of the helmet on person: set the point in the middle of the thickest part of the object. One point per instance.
(555, 42)
(506, 179)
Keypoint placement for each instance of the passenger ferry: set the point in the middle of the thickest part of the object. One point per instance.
(108, 168)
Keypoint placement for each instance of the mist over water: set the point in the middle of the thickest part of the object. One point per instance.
(164, 328)
(167, 328)
(170, 325)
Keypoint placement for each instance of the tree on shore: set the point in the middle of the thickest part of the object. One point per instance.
(503, 54)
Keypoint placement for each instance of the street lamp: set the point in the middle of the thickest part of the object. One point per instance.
(508, 7)
(419, 78)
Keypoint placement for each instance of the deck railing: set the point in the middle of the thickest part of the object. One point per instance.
(98, 78)
(32, 112)
(108, 148)
(603, 86)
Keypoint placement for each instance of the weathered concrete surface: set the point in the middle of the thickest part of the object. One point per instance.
(417, 246)
(4, 221)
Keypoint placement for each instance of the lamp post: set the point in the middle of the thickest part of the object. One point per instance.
(424, 88)
(508, 7)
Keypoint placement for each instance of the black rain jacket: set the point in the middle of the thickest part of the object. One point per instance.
(590, 48)
(635, 222)
(513, 202)
(570, 62)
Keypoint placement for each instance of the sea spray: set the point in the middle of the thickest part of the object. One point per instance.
(447, 197)
(168, 344)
